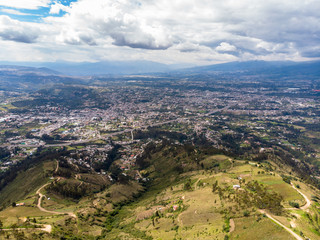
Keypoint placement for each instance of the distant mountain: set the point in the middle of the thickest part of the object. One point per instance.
(21, 78)
(142, 67)
(103, 68)
(260, 67)
(108, 68)
(28, 78)
(13, 69)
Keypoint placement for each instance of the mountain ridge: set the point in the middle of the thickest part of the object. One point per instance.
(150, 67)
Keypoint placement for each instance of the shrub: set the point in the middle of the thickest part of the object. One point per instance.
(294, 204)
(246, 213)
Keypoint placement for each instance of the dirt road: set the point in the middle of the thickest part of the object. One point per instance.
(232, 225)
(308, 202)
(48, 211)
(296, 236)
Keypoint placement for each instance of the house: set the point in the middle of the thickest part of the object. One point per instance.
(236, 186)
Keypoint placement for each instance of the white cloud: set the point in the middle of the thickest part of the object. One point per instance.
(226, 47)
(105, 20)
(184, 31)
(14, 30)
(57, 7)
(25, 4)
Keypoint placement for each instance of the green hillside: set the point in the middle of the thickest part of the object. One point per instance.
(187, 193)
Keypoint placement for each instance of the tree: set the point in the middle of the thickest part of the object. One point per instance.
(14, 204)
(214, 186)
(1, 224)
(246, 213)
(187, 185)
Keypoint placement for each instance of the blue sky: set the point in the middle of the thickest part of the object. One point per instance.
(32, 14)
(179, 31)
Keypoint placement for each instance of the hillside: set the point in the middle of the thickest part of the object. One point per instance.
(282, 68)
(189, 193)
(94, 68)
(22, 79)
(196, 155)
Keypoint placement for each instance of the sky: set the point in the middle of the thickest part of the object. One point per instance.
(167, 31)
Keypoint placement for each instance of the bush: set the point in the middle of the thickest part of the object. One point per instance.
(246, 213)
(187, 185)
(286, 179)
(294, 204)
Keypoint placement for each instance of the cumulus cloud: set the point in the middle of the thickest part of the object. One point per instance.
(14, 30)
(56, 8)
(226, 47)
(115, 20)
(25, 4)
(194, 30)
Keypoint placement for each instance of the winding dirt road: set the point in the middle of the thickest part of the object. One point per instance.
(280, 224)
(292, 223)
(308, 202)
(71, 214)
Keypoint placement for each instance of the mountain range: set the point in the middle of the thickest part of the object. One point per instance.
(143, 67)
(27, 78)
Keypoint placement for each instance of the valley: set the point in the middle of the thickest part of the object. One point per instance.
(193, 155)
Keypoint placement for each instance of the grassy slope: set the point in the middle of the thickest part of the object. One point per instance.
(251, 229)
(25, 183)
(202, 214)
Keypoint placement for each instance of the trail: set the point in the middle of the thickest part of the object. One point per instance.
(293, 223)
(304, 207)
(199, 179)
(57, 168)
(196, 183)
(46, 228)
(232, 225)
(308, 202)
(296, 236)
(139, 174)
(180, 221)
(71, 214)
